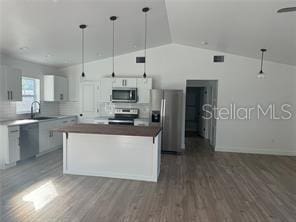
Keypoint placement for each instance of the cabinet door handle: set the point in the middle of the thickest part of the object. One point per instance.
(11, 95)
(13, 131)
(8, 95)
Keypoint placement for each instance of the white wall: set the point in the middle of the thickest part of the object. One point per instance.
(29, 69)
(171, 65)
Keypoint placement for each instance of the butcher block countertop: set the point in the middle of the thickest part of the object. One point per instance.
(123, 130)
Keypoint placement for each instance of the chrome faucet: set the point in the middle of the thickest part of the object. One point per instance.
(32, 111)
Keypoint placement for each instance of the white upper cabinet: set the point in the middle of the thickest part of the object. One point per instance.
(10, 84)
(144, 86)
(55, 88)
(105, 90)
(89, 98)
(124, 82)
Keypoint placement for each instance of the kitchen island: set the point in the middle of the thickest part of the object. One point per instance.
(116, 151)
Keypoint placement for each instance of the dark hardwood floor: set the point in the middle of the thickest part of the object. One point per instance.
(197, 186)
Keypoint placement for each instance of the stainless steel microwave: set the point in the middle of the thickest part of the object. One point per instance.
(124, 95)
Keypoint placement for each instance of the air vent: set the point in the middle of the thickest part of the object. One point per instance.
(218, 58)
(140, 59)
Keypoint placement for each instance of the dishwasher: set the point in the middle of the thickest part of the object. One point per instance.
(29, 140)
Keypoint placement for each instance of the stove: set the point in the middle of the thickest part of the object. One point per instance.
(124, 116)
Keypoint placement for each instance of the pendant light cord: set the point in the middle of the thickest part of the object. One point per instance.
(113, 18)
(82, 27)
(145, 10)
(82, 47)
(113, 49)
(145, 42)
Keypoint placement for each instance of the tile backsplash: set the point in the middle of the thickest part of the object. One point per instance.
(8, 109)
(107, 109)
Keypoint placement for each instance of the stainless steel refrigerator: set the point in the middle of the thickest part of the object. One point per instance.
(167, 111)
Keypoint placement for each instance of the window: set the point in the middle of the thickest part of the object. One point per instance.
(30, 93)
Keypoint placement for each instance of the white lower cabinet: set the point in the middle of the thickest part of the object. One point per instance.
(9, 148)
(10, 151)
(13, 153)
(49, 140)
(46, 136)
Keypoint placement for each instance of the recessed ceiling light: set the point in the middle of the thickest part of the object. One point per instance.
(24, 48)
(204, 43)
(48, 55)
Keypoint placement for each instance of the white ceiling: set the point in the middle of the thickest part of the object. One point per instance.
(235, 26)
(51, 27)
(240, 27)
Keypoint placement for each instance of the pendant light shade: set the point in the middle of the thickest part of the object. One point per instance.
(145, 10)
(113, 19)
(82, 27)
(261, 73)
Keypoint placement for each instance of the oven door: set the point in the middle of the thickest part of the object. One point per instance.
(124, 95)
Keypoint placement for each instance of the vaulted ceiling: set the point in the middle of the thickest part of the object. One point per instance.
(47, 31)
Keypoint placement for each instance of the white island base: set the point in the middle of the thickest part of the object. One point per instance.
(115, 156)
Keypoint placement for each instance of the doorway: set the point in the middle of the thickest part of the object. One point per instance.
(200, 124)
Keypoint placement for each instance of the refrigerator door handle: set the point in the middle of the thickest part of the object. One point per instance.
(161, 113)
(164, 107)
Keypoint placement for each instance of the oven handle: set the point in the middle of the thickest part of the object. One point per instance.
(121, 121)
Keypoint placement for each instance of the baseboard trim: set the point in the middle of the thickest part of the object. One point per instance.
(112, 175)
(256, 151)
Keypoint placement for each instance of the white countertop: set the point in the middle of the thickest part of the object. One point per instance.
(17, 122)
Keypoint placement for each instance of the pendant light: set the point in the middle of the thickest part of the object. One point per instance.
(261, 73)
(145, 10)
(113, 19)
(82, 27)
